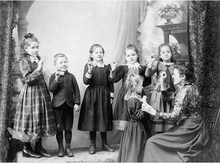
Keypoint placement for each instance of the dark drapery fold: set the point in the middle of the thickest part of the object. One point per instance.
(7, 50)
(204, 49)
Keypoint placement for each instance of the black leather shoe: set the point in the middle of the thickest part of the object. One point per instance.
(92, 148)
(106, 147)
(61, 152)
(68, 151)
(42, 152)
(29, 153)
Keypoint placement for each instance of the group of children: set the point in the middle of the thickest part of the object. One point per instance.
(37, 116)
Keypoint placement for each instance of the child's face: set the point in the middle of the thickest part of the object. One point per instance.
(131, 56)
(97, 54)
(61, 64)
(33, 48)
(139, 87)
(165, 54)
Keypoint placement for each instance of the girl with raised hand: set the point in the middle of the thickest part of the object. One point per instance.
(160, 98)
(121, 72)
(34, 117)
(96, 109)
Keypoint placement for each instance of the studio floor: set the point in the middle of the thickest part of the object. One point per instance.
(81, 155)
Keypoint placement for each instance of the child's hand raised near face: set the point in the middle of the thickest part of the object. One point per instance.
(149, 61)
(152, 59)
(58, 74)
(90, 66)
(114, 65)
(40, 65)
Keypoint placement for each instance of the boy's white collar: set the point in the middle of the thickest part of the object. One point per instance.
(135, 65)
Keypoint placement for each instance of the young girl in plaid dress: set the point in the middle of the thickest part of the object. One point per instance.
(34, 116)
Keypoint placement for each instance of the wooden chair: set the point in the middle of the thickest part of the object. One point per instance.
(210, 116)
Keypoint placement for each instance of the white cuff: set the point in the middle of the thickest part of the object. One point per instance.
(88, 75)
(112, 95)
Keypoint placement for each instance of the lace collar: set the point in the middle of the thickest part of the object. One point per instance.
(98, 64)
(134, 66)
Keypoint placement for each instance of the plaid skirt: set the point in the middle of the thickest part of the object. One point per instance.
(34, 115)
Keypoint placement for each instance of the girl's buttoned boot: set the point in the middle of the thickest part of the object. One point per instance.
(92, 148)
(59, 138)
(68, 137)
(61, 152)
(68, 150)
(105, 145)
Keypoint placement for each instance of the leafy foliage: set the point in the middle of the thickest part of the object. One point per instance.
(170, 11)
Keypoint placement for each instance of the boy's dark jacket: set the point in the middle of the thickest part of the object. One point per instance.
(66, 89)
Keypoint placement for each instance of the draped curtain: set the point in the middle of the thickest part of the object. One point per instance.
(7, 44)
(204, 47)
(113, 24)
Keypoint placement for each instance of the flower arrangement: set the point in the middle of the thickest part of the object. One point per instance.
(170, 11)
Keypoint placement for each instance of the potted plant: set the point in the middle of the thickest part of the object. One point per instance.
(170, 11)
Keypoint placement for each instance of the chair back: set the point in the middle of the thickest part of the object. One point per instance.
(210, 116)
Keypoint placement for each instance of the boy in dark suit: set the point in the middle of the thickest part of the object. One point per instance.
(66, 97)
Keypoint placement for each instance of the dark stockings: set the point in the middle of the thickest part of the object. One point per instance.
(68, 136)
(59, 138)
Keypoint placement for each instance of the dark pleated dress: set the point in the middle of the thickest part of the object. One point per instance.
(120, 110)
(34, 115)
(187, 139)
(134, 136)
(96, 110)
